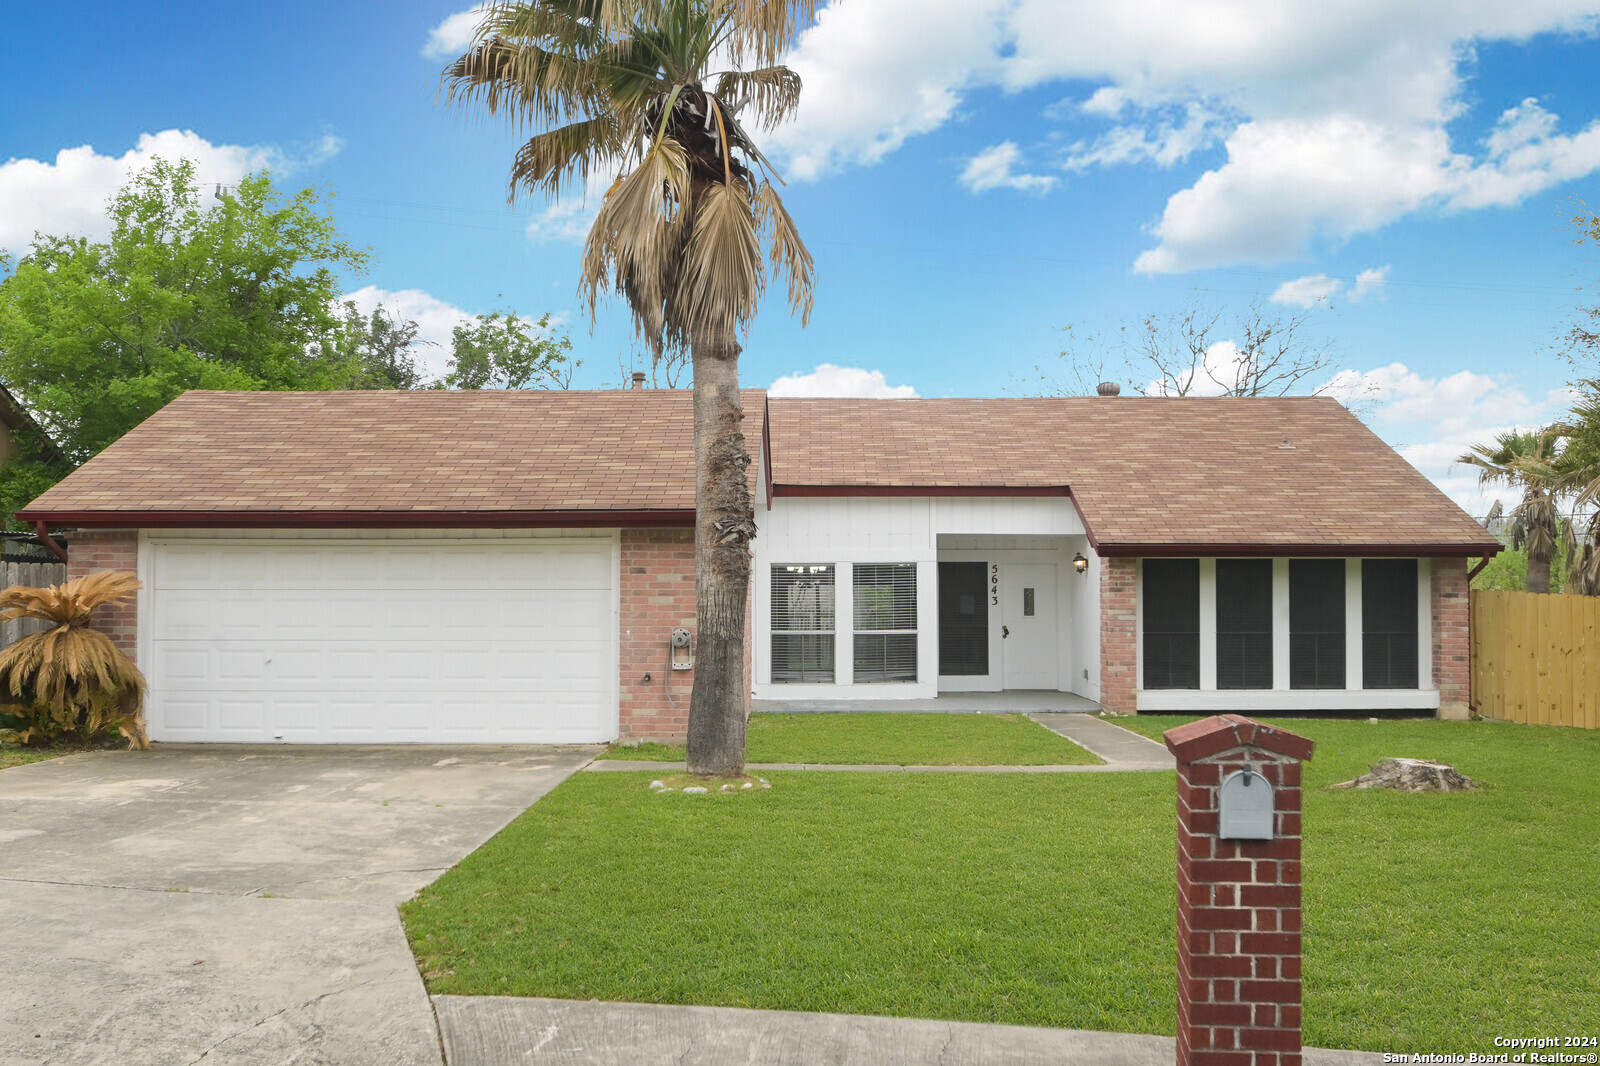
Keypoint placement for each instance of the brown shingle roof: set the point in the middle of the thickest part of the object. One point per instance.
(360, 453)
(1148, 475)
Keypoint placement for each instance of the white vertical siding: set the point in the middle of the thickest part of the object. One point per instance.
(847, 530)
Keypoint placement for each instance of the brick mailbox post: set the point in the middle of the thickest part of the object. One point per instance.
(1238, 892)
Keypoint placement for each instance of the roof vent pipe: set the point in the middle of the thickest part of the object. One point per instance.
(638, 379)
(1108, 388)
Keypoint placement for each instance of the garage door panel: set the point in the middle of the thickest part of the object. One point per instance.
(241, 716)
(381, 641)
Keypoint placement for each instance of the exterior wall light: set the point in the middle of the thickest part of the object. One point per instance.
(1080, 564)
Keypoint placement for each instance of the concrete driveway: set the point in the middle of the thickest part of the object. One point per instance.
(236, 905)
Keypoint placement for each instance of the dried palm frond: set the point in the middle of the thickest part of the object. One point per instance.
(70, 603)
(70, 678)
(773, 93)
(789, 254)
(723, 272)
(688, 232)
(557, 159)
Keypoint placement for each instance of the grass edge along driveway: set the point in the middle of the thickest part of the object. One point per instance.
(1433, 922)
(885, 738)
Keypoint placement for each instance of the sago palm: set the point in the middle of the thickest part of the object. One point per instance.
(688, 233)
(1528, 460)
(70, 679)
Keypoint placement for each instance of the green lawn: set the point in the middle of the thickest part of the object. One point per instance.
(1433, 922)
(12, 755)
(892, 740)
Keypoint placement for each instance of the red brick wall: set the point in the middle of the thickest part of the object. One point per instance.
(114, 549)
(1452, 658)
(1119, 635)
(657, 597)
(1239, 911)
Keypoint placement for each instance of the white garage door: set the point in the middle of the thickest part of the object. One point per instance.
(371, 641)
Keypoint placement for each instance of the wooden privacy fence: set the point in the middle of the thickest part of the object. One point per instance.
(1536, 658)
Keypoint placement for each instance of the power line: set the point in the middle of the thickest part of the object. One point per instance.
(522, 222)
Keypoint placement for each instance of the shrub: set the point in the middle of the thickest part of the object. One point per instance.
(70, 681)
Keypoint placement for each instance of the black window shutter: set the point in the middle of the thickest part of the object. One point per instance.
(1389, 623)
(1316, 623)
(1171, 614)
(1244, 623)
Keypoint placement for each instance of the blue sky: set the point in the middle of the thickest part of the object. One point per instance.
(971, 175)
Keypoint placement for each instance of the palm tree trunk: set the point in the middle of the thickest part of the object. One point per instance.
(724, 525)
(1538, 572)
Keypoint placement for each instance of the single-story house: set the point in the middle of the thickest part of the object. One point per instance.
(510, 566)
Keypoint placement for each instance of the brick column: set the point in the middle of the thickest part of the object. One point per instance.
(1452, 652)
(1119, 635)
(1238, 900)
(108, 549)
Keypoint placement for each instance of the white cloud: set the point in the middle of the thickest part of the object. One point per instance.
(67, 196)
(880, 71)
(1370, 284)
(830, 380)
(1163, 142)
(1334, 118)
(451, 37)
(1308, 291)
(1433, 421)
(993, 168)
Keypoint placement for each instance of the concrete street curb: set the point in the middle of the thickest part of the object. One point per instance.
(514, 1031)
(611, 765)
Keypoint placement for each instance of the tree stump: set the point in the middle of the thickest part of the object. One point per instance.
(1412, 775)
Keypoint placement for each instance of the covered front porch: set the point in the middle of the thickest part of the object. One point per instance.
(1015, 701)
(1018, 614)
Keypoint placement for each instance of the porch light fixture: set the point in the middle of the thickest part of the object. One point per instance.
(1080, 564)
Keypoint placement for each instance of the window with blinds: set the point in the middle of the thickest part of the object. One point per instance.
(1389, 623)
(885, 622)
(1171, 591)
(1316, 623)
(1244, 623)
(963, 620)
(802, 623)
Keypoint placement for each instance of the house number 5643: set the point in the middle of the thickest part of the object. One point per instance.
(994, 583)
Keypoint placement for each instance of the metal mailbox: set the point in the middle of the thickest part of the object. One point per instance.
(1245, 806)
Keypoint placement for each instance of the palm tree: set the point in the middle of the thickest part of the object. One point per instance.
(70, 680)
(688, 233)
(1579, 466)
(1530, 460)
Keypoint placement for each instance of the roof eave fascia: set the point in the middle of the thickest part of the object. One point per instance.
(919, 490)
(1282, 551)
(672, 518)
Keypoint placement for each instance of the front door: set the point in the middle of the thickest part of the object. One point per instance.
(1028, 647)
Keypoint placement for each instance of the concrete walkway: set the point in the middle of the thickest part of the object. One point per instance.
(1120, 748)
(235, 905)
(1122, 751)
(505, 1031)
(1012, 701)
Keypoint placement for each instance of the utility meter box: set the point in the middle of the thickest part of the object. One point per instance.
(1245, 807)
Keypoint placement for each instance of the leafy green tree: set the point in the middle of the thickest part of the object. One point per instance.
(240, 291)
(1583, 338)
(688, 233)
(382, 348)
(1509, 570)
(505, 351)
